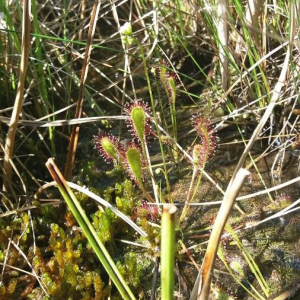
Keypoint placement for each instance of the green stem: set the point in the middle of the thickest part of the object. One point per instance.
(167, 252)
(144, 146)
(188, 198)
(174, 127)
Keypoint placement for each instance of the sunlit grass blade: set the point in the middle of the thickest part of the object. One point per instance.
(167, 252)
(253, 266)
(42, 75)
(223, 259)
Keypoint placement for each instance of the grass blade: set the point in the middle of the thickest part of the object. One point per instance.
(167, 252)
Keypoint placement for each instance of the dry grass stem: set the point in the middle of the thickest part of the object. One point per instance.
(85, 68)
(12, 129)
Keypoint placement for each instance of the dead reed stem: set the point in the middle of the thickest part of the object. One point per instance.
(12, 129)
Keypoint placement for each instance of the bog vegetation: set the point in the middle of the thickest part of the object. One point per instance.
(149, 149)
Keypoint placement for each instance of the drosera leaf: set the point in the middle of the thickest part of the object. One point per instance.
(168, 80)
(207, 135)
(139, 119)
(134, 164)
(108, 147)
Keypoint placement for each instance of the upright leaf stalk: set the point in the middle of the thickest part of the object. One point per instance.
(167, 252)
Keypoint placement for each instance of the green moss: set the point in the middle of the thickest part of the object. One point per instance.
(62, 257)
(102, 225)
(131, 269)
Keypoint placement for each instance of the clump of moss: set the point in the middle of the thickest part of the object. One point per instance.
(61, 257)
(131, 269)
